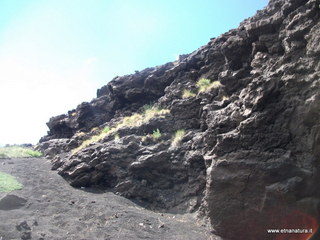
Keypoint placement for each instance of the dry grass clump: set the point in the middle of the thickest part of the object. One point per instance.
(152, 111)
(205, 85)
(187, 94)
(95, 138)
(137, 119)
(134, 120)
(176, 139)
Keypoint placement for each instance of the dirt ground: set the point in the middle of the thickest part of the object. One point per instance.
(49, 208)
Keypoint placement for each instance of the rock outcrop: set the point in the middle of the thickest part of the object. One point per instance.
(248, 155)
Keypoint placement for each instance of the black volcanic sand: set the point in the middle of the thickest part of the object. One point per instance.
(49, 208)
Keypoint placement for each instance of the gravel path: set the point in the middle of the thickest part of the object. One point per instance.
(49, 208)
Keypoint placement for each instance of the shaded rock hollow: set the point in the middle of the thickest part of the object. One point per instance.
(249, 156)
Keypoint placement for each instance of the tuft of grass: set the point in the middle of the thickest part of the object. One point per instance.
(9, 183)
(156, 134)
(176, 139)
(154, 112)
(187, 94)
(205, 85)
(18, 152)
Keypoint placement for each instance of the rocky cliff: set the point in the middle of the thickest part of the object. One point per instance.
(231, 130)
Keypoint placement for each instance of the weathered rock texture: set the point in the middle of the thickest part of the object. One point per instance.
(250, 157)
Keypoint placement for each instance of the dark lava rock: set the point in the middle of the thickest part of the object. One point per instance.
(249, 157)
(23, 226)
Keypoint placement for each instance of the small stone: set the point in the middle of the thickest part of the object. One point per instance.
(26, 235)
(23, 226)
(161, 226)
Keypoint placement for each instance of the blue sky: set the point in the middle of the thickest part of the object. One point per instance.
(54, 54)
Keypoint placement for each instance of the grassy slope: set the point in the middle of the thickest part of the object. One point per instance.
(18, 152)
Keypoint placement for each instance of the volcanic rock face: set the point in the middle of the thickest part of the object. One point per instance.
(249, 155)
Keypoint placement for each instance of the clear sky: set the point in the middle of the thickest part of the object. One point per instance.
(55, 54)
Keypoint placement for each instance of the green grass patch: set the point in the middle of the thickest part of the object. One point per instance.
(177, 137)
(18, 152)
(9, 183)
